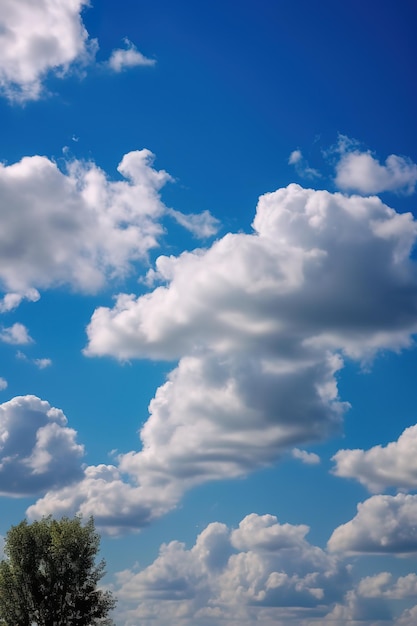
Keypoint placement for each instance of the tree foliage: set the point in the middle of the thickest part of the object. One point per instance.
(49, 575)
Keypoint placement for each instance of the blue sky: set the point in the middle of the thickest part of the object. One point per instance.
(208, 301)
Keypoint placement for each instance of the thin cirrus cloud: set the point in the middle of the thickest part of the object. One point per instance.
(79, 228)
(381, 467)
(383, 525)
(260, 571)
(37, 449)
(359, 171)
(251, 320)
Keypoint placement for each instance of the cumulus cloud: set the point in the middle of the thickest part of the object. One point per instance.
(11, 301)
(75, 227)
(37, 449)
(394, 465)
(16, 335)
(361, 172)
(234, 575)
(309, 458)
(259, 323)
(37, 38)
(3, 384)
(124, 58)
(382, 586)
(382, 525)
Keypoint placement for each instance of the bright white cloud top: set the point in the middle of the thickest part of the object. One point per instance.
(37, 38)
(381, 467)
(79, 228)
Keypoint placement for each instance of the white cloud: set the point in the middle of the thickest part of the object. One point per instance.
(42, 363)
(254, 319)
(123, 58)
(232, 575)
(309, 458)
(295, 157)
(361, 172)
(201, 225)
(382, 586)
(383, 524)
(301, 165)
(394, 465)
(76, 228)
(3, 384)
(37, 38)
(37, 449)
(12, 300)
(17, 334)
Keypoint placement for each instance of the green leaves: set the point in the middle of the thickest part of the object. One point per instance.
(49, 576)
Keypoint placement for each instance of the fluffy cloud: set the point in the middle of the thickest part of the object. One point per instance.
(240, 575)
(3, 384)
(258, 322)
(383, 524)
(309, 458)
(394, 465)
(12, 300)
(77, 227)
(123, 58)
(39, 37)
(382, 586)
(37, 449)
(361, 172)
(17, 334)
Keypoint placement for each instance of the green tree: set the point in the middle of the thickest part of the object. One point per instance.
(49, 575)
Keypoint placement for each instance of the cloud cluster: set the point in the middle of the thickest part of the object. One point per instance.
(39, 37)
(361, 172)
(262, 568)
(37, 449)
(75, 227)
(259, 323)
(394, 465)
(383, 525)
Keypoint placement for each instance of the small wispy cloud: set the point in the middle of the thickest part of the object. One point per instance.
(123, 58)
(3, 384)
(309, 458)
(301, 165)
(16, 335)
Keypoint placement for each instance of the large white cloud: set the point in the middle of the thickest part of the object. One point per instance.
(383, 525)
(238, 575)
(258, 322)
(394, 465)
(37, 449)
(75, 227)
(39, 37)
